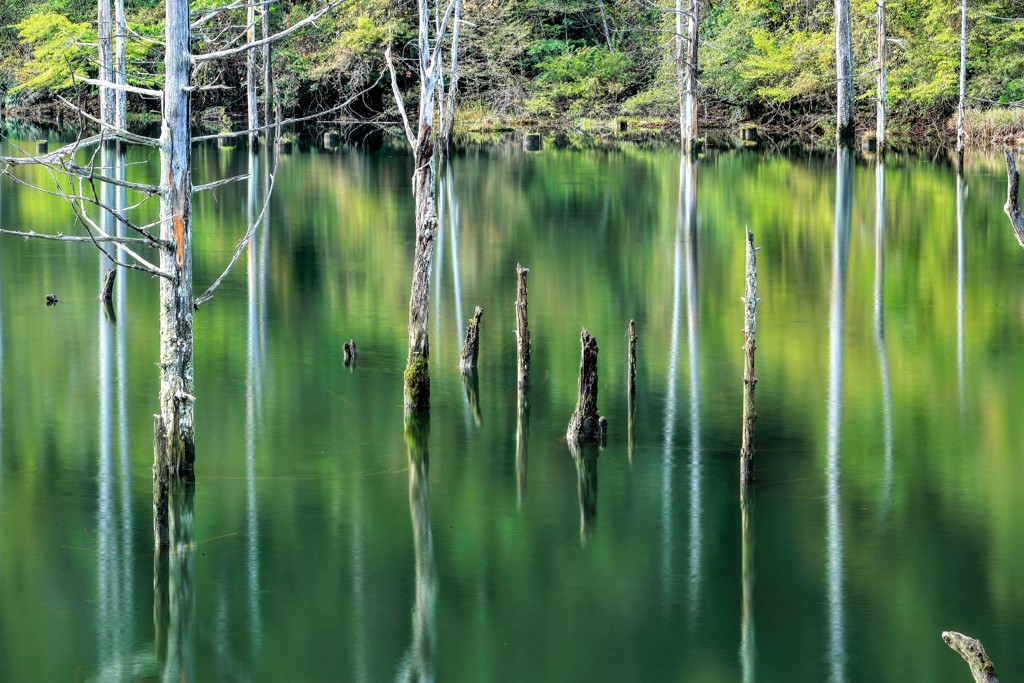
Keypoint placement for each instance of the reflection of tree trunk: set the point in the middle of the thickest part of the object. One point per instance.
(174, 600)
(883, 355)
(522, 441)
(471, 382)
(960, 191)
(696, 530)
(585, 457)
(253, 404)
(748, 648)
(418, 663)
(833, 523)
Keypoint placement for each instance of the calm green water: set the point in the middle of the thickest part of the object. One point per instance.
(327, 547)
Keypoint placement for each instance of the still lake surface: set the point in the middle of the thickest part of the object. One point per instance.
(327, 546)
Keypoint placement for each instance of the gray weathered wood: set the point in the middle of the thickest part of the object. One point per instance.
(471, 347)
(583, 424)
(1012, 205)
(961, 110)
(107, 290)
(522, 327)
(880, 110)
(982, 668)
(160, 482)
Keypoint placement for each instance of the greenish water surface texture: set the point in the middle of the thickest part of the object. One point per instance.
(329, 545)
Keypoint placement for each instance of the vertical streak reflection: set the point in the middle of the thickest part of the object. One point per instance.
(833, 523)
(748, 648)
(960, 192)
(667, 464)
(693, 349)
(883, 355)
(452, 204)
(253, 403)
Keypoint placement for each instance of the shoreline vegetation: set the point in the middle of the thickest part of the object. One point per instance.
(583, 65)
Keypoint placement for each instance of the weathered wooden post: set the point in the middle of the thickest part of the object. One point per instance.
(584, 424)
(749, 379)
(471, 347)
(107, 290)
(982, 668)
(522, 328)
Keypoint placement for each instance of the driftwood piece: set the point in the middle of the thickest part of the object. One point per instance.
(749, 378)
(522, 328)
(982, 668)
(584, 425)
(471, 347)
(1012, 206)
(107, 290)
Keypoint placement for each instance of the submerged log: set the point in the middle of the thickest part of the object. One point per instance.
(982, 668)
(749, 379)
(522, 441)
(522, 328)
(1012, 206)
(107, 290)
(471, 347)
(584, 425)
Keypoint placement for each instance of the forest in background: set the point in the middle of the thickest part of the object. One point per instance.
(563, 61)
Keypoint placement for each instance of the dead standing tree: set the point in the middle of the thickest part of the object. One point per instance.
(171, 235)
(417, 367)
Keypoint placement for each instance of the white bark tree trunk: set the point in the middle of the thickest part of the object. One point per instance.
(253, 117)
(961, 112)
(882, 59)
(844, 73)
(177, 386)
(120, 66)
(268, 73)
(690, 94)
(681, 71)
(104, 27)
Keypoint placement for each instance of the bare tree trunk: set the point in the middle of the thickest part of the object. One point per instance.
(104, 27)
(749, 378)
(252, 111)
(1012, 206)
(681, 72)
(121, 67)
(690, 97)
(471, 348)
(268, 71)
(844, 73)
(982, 668)
(604, 21)
(584, 425)
(417, 369)
(177, 385)
(522, 441)
(448, 112)
(961, 111)
(882, 59)
(522, 328)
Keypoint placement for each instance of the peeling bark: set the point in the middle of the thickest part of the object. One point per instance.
(1012, 206)
(749, 378)
(522, 328)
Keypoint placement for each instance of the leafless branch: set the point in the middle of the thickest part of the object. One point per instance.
(61, 237)
(398, 98)
(220, 54)
(121, 134)
(242, 243)
(218, 183)
(145, 92)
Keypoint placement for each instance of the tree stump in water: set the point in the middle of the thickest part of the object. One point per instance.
(349, 349)
(631, 359)
(982, 668)
(107, 290)
(532, 143)
(471, 347)
(584, 425)
(522, 328)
